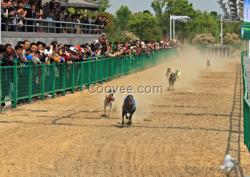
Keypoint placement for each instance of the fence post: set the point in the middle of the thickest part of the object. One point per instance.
(54, 80)
(89, 81)
(43, 80)
(14, 103)
(96, 71)
(113, 68)
(102, 71)
(30, 83)
(64, 79)
(1, 95)
(82, 75)
(73, 78)
(108, 69)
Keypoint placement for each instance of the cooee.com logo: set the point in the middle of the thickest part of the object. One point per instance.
(126, 89)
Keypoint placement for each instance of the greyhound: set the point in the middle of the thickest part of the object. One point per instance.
(171, 80)
(109, 99)
(168, 72)
(208, 63)
(129, 107)
(172, 76)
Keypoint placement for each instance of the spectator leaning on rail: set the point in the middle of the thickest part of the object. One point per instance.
(38, 53)
(9, 58)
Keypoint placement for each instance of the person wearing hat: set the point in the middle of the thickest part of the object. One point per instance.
(73, 54)
(103, 39)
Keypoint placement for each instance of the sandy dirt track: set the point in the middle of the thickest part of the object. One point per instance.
(185, 132)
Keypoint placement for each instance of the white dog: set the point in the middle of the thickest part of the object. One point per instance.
(229, 164)
(109, 99)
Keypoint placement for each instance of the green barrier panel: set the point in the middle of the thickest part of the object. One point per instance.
(7, 83)
(48, 79)
(77, 75)
(36, 72)
(59, 77)
(23, 82)
(246, 104)
(29, 81)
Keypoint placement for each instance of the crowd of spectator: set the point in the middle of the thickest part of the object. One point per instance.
(15, 12)
(29, 53)
(36, 53)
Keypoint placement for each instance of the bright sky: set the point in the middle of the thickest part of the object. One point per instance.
(140, 5)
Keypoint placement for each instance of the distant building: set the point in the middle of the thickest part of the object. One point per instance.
(233, 9)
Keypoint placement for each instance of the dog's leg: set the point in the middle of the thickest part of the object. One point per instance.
(122, 118)
(170, 85)
(126, 116)
(110, 106)
(130, 119)
(104, 107)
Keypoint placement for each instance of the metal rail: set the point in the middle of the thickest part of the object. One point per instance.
(17, 24)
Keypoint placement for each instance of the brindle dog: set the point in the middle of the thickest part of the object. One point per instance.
(128, 109)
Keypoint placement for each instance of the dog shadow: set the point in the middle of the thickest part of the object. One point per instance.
(105, 115)
(119, 125)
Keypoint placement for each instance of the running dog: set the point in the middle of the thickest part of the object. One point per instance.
(171, 81)
(128, 108)
(109, 99)
(208, 63)
(168, 72)
(172, 76)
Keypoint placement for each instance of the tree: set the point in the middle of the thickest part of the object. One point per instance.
(104, 5)
(146, 11)
(122, 17)
(145, 26)
(214, 13)
(128, 36)
(159, 6)
(164, 8)
(204, 22)
(232, 27)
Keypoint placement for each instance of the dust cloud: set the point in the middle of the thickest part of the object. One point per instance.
(190, 62)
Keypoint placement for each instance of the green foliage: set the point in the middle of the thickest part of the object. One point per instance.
(204, 22)
(164, 8)
(71, 10)
(159, 6)
(128, 26)
(204, 27)
(232, 27)
(145, 26)
(104, 5)
(108, 16)
(201, 22)
(128, 36)
(122, 17)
